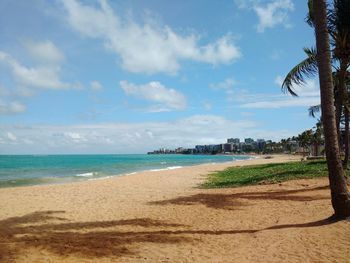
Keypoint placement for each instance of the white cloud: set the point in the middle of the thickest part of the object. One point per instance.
(11, 136)
(273, 13)
(128, 137)
(270, 13)
(45, 73)
(309, 89)
(279, 81)
(74, 136)
(246, 114)
(150, 47)
(43, 76)
(96, 86)
(12, 107)
(166, 98)
(309, 95)
(275, 104)
(45, 52)
(132, 137)
(227, 86)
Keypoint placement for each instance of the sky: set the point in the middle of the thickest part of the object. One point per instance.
(79, 76)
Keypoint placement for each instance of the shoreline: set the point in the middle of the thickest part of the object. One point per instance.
(78, 178)
(206, 167)
(164, 217)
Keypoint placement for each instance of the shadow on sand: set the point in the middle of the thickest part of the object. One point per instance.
(50, 231)
(233, 201)
(45, 230)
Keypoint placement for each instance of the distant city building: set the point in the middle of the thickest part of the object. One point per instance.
(179, 150)
(227, 147)
(233, 145)
(249, 140)
(200, 148)
(248, 147)
(233, 140)
(260, 144)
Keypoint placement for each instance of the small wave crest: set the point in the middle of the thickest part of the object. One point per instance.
(86, 174)
(168, 168)
(101, 178)
(131, 173)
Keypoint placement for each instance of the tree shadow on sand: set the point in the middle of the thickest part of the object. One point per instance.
(45, 230)
(322, 222)
(233, 201)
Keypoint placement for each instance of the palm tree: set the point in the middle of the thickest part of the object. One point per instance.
(305, 140)
(346, 139)
(339, 192)
(317, 138)
(339, 29)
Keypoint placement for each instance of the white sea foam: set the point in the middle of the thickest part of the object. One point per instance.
(168, 168)
(174, 167)
(85, 174)
(130, 173)
(157, 170)
(101, 178)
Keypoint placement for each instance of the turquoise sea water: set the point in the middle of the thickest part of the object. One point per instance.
(20, 170)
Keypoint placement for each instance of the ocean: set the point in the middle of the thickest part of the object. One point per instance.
(22, 170)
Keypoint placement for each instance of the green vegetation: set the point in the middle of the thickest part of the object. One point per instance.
(267, 173)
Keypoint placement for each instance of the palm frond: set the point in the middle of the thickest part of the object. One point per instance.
(313, 110)
(339, 28)
(310, 15)
(305, 69)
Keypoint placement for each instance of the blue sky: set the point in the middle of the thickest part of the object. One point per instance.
(132, 76)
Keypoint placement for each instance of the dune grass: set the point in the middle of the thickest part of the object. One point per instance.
(266, 173)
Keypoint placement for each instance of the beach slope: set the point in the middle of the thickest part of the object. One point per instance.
(164, 217)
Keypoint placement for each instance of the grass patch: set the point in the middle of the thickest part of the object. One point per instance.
(266, 173)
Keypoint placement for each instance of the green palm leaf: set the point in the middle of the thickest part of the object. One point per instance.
(313, 110)
(305, 69)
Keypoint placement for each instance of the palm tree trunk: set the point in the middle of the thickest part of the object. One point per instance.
(339, 192)
(346, 140)
(344, 94)
(338, 112)
(316, 148)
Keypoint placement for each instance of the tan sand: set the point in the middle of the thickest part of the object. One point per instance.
(163, 217)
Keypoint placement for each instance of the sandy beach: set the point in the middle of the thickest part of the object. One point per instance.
(164, 217)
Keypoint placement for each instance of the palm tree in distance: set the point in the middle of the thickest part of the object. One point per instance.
(305, 140)
(339, 192)
(317, 138)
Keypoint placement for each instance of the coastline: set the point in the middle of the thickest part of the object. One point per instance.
(207, 167)
(98, 172)
(164, 217)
